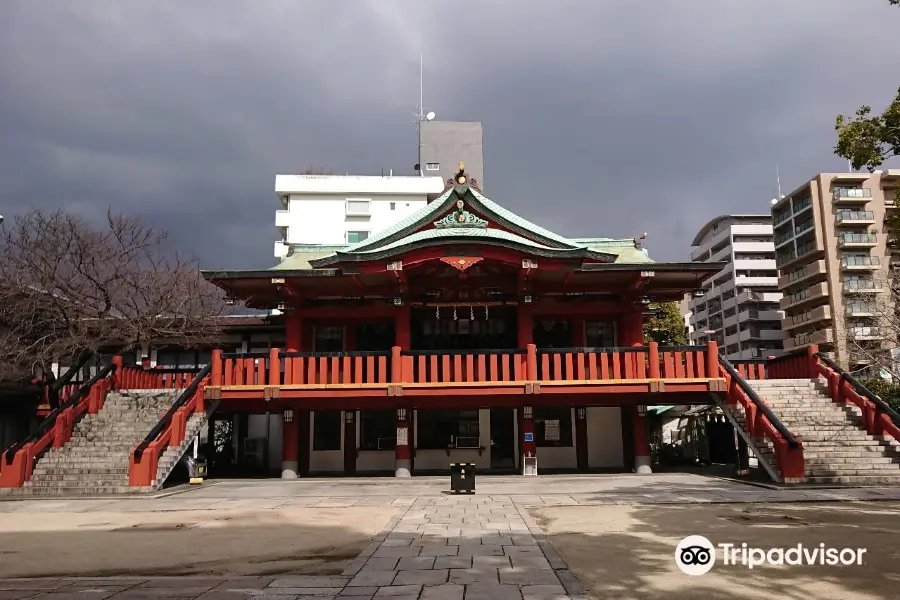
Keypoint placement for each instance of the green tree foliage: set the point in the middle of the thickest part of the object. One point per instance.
(887, 391)
(866, 140)
(666, 327)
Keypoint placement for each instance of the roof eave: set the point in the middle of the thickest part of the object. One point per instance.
(267, 274)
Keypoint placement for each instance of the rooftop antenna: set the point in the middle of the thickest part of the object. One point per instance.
(422, 114)
(778, 181)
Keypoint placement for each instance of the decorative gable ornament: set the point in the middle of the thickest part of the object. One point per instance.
(461, 218)
(461, 263)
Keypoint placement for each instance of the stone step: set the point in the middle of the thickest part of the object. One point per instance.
(854, 480)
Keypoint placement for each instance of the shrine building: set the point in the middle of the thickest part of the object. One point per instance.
(462, 333)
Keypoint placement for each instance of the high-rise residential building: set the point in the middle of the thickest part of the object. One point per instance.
(443, 144)
(833, 254)
(739, 304)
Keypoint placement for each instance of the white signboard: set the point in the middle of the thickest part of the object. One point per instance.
(403, 436)
(551, 431)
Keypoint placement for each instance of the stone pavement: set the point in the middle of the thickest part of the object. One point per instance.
(436, 547)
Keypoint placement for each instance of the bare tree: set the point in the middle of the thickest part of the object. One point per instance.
(69, 289)
(872, 321)
(316, 171)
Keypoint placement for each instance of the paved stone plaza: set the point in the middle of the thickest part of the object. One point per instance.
(433, 545)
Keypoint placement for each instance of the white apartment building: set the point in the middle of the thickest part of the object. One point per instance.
(335, 210)
(739, 304)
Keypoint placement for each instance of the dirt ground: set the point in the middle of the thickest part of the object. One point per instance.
(313, 541)
(629, 551)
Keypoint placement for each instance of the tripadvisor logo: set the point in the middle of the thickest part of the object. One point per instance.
(696, 555)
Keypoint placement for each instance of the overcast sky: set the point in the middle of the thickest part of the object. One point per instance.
(601, 117)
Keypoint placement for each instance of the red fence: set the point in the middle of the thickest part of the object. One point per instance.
(17, 462)
(277, 368)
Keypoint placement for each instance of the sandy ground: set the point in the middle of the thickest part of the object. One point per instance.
(629, 551)
(316, 541)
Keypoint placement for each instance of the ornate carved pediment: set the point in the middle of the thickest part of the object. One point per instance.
(461, 218)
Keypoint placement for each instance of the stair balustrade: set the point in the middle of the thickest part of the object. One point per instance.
(168, 432)
(18, 461)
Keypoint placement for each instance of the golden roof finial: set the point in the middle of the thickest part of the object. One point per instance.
(462, 166)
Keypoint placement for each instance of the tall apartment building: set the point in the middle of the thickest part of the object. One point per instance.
(739, 305)
(442, 144)
(833, 255)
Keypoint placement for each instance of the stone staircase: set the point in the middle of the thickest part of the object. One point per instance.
(837, 449)
(95, 461)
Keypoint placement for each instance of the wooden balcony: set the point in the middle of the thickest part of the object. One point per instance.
(498, 376)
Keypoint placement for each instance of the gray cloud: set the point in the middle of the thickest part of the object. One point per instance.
(601, 118)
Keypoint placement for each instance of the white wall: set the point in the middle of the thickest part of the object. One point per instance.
(323, 219)
(314, 206)
(604, 427)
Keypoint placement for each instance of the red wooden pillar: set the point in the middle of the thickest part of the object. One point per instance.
(525, 325)
(402, 328)
(403, 451)
(631, 327)
(293, 334)
(526, 439)
(290, 449)
(303, 418)
(350, 442)
(581, 438)
(641, 443)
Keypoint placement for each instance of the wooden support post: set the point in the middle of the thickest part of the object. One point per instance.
(215, 371)
(653, 360)
(712, 359)
(274, 367)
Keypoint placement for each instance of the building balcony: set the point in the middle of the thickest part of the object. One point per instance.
(808, 296)
(851, 195)
(754, 296)
(860, 263)
(860, 309)
(344, 378)
(861, 286)
(802, 274)
(857, 240)
(744, 281)
(810, 317)
(864, 333)
(855, 217)
(824, 336)
(760, 315)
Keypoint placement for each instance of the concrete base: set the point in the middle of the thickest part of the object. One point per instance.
(642, 465)
(289, 469)
(402, 468)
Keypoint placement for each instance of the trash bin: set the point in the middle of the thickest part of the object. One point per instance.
(196, 468)
(462, 478)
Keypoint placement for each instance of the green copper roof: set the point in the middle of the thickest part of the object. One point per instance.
(490, 223)
(501, 237)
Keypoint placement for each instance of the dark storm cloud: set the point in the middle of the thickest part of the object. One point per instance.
(601, 118)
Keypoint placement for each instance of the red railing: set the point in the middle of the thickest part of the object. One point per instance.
(625, 363)
(761, 422)
(472, 366)
(878, 417)
(169, 431)
(276, 367)
(138, 378)
(17, 462)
